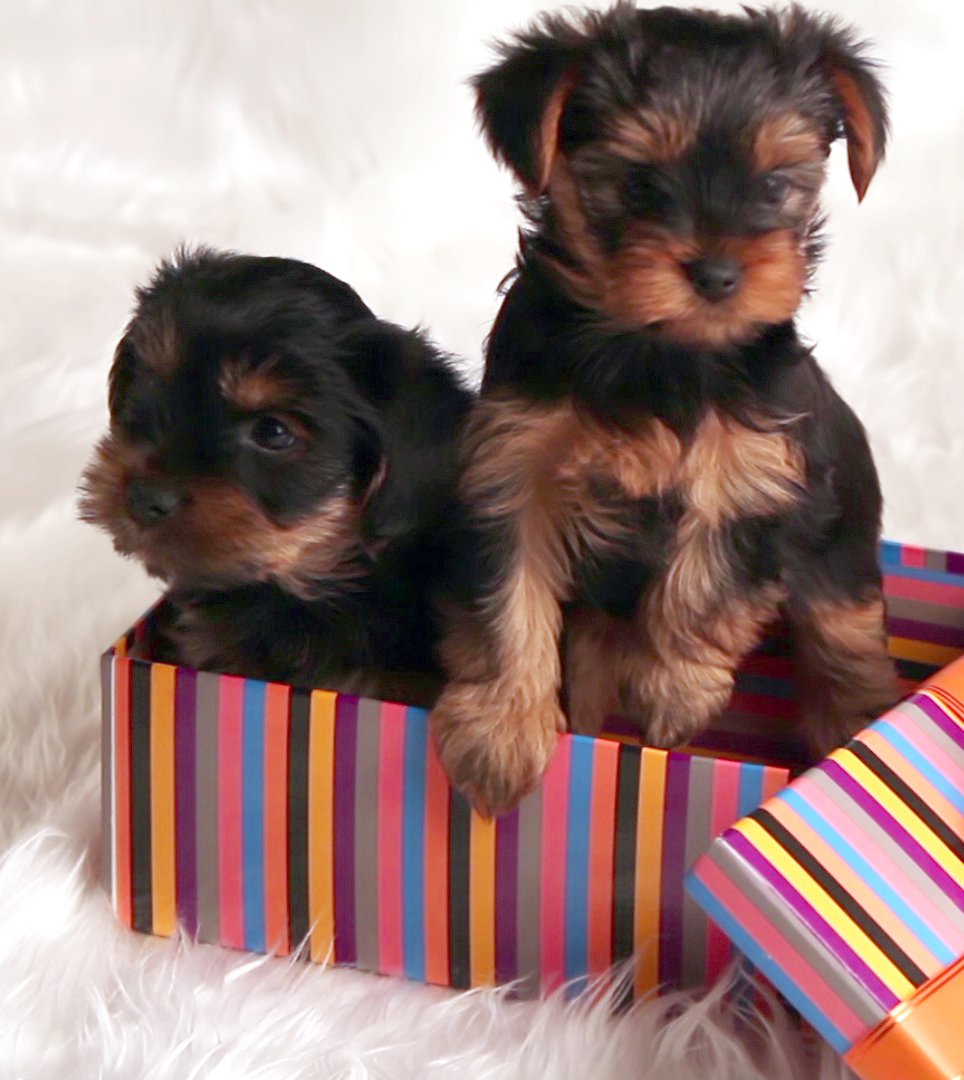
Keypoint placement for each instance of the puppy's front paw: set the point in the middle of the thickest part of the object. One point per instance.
(493, 747)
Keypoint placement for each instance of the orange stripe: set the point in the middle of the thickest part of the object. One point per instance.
(321, 772)
(122, 789)
(602, 840)
(482, 900)
(849, 880)
(437, 793)
(391, 800)
(774, 781)
(276, 818)
(649, 864)
(163, 888)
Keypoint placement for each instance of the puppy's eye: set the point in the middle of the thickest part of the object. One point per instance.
(776, 188)
(646, 191)
(270, 433)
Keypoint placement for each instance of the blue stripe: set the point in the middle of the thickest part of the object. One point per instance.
(751, 788)
(763, 961)
(413, 844)
(253, 815)
(863, 869)
(952, 792)
(577, 860)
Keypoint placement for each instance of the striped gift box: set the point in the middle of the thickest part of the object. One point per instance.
(272, 818)
(847, 888)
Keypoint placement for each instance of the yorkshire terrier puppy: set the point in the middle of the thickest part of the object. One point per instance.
(657, 465)
(285, 462)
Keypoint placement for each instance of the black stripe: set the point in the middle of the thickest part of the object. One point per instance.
(913, 801)
(142, 908)
(460, 824)
(624, 878)
(879, 937)
(298, 739)
(624, 864)
(915, 670)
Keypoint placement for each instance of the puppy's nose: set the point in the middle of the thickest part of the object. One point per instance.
(714, 279)
(151, 502)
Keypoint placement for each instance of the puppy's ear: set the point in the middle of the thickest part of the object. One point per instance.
(405, 450)
(519, 102)
(856, 91)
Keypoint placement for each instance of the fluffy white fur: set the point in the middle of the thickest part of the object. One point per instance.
(341, 133)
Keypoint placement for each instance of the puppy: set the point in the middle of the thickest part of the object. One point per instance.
(657, 464)
(285, 462)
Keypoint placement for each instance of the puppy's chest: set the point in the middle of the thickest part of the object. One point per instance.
(637, 503)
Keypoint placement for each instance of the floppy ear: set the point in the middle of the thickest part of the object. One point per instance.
(519, 102)
(855, 88)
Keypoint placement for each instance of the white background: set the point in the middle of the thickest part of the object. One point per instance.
(343, 134)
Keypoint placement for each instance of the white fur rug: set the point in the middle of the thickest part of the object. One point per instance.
(341, 133)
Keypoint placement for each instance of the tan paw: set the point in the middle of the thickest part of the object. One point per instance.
(493, 749)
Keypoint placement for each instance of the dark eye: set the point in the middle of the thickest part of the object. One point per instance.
(270, 433)
(646, 192)
(776, 188)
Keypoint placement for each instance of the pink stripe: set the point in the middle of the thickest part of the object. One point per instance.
(784, 955)
(725, 810)
(930, 592)
(921, 734)
(913, 556)
(951, 934)
(555, 830)
(391, 785)
(230, 832)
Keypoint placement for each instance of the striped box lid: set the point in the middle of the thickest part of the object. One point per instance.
(847, 888)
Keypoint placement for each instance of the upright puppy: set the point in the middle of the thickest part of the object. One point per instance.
(657, 463)
(285, 462)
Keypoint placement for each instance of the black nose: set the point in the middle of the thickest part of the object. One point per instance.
(151, 502)
(715, 279)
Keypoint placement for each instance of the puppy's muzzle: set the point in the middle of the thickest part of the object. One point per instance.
(150, 503)
(715, 279)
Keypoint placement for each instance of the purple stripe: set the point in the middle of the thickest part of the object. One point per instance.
(812, 918)
(506, 897)
(895, 831)
(934, 712)
(934, 633)
(955, 563)
(185, 796)
(346, 739)
(674, 869)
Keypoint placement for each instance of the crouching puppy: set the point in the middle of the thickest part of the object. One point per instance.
(284, 461)
(658, 467)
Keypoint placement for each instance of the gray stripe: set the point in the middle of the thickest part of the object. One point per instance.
(939, 614)
(528, 944)
(934, 733)
(366, 835)
(108, 811)
(818, 956)
(698, 821)
(935, 560)
(866, 825)
(206, 807)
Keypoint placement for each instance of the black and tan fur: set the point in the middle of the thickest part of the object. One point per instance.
(658, 468)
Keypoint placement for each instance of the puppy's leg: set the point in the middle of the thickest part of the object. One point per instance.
(845, 676)
(697, 625)
(596, 647)
(495, 723)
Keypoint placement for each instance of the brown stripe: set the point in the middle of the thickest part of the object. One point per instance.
(898, 607)
(143, 904)
(206, 807)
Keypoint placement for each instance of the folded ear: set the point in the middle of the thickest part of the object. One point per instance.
(519, 102)
(855, 88)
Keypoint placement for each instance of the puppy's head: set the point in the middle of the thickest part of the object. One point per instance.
(672, 160)
(244, 440)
